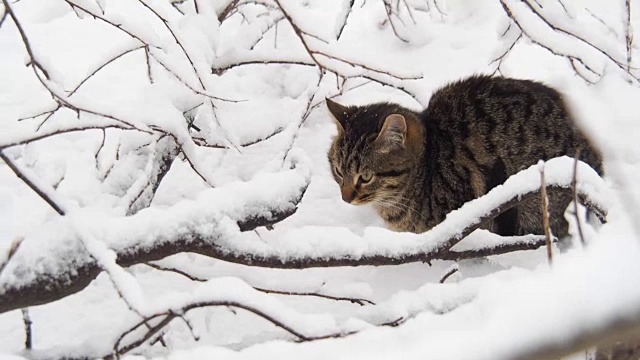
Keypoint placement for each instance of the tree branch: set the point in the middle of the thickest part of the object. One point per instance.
(20, 174)
(72, 274)
(202, 235)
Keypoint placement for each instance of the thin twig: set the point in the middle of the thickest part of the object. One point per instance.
(203, 143)
(345, 19)
(544, 199)
(579, 38)
(574, 186)
(300, 35)
(548, 48)
(389, 12)
(32, 59)
(168, 316)
(225, 12)
(358, 301)
(44, 135)
(15, 245)
(20, 174)
(104, 65)
(629, 34)
(28, 337)
(453, 270)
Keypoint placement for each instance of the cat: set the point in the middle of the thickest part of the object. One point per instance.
(416, 167)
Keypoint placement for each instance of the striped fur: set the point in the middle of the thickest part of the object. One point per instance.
(473, 135)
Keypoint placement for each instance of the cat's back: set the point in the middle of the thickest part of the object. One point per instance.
(492, 94)
(517, 121)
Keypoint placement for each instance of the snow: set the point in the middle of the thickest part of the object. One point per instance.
(504, 306)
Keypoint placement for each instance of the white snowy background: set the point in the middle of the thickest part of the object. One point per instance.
(184, 59)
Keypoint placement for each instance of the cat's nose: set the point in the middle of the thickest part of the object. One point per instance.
(348, 193)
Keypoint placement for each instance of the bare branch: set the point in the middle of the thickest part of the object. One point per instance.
(559, 29)
(32, 59)
(105, 64)
(20, 174)
(345, 19)
(203, 143)
(168, 316)
(43, 135)
(361, 302)
(572, 59)
(390, 13)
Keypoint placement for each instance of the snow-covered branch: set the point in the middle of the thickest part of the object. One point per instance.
(64, 266)
(207, 230)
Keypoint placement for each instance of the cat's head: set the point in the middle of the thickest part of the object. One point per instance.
(376, 149)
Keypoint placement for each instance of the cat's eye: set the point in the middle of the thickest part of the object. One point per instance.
(365, 177)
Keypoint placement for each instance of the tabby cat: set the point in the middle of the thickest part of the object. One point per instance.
(416, 167)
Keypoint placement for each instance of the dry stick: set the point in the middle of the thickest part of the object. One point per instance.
(30, 183)
(28, 338)
(574, 186)
(545, 212)
(358, 301)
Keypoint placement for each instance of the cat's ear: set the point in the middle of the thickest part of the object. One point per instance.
(339, 112)
(393, 133)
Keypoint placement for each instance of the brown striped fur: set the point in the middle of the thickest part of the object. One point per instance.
(417, 167)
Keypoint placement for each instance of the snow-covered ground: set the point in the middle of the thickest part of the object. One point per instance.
(492, 308)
